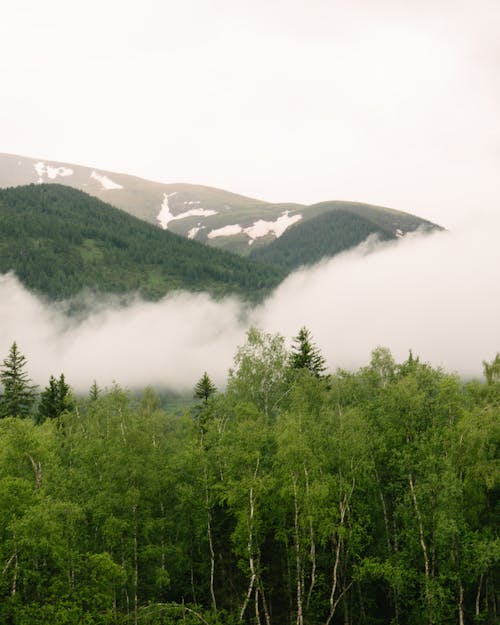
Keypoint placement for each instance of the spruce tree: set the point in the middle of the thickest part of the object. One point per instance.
(18, 395)
(94, 392)
(55, 399)
(305, 354)
(204, 388)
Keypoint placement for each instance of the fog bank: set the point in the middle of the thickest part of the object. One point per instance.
(438, 295)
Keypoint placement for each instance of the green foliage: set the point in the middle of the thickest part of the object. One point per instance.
(259, 376)
(323, 236)
(492, 370)
(305, 355)
(94, 391)
(204, 388)
(55, 399)
(366, 497)
(18, 394)
(59, 241)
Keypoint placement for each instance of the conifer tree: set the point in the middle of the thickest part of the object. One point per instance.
(55, 399)
(18, 394)
(94, 392)
(305, 354)
(204, 388)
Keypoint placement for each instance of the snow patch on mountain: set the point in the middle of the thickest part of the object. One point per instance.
(51, 172)
(196, 212)
(225, 231)
(106, 182)
(261, 227)
(258, 229)
(194, 231)
(165, 216)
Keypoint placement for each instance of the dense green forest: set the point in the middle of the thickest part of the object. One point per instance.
(367, 497)
(59, 240)
(321, 237)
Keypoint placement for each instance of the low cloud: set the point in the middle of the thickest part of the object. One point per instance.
(438, 295)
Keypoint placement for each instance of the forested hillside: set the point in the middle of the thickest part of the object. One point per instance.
(59, 240)
(219, 218)
(334, 227)
(321, 237)
(358, 498)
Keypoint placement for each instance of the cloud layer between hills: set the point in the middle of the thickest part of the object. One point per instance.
(438, 295)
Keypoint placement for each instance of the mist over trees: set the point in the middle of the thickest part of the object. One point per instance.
(293, 496)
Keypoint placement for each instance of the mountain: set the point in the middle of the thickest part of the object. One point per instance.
(60, 240)
(331, 228)
(285, 234)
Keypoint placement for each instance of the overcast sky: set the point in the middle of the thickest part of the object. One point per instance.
(388, 102)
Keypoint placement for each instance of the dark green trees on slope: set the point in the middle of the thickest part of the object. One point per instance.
(59, 241)
(321, 237)
(366, 498)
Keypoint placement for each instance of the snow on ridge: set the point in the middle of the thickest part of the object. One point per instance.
(106, 182)
(225, 231)
(399, 233)
(51, 172)
(165, 216)
(259, 228)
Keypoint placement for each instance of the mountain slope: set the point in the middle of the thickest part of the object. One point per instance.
(213, 216)
(59, 240)
(333, 228)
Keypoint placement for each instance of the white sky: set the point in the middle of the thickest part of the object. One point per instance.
(389, 102)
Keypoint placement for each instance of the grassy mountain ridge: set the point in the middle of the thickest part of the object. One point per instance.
(217, 217)
(59, 240)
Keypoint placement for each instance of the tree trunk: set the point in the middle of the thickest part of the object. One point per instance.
(460, 604)
(298, 566)
(312, 552)
(136, 567)
(265, 607)
(211, 546)
(343, 508)
(250, 548)
(478, 595)
(423, 545)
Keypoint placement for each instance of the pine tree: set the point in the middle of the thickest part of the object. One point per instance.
(94, 392)
(204, 388)
(55, 399)
(18, 394)
(305, 355)
(48, 401)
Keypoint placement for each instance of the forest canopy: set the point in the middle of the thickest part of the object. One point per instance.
(366, 497)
